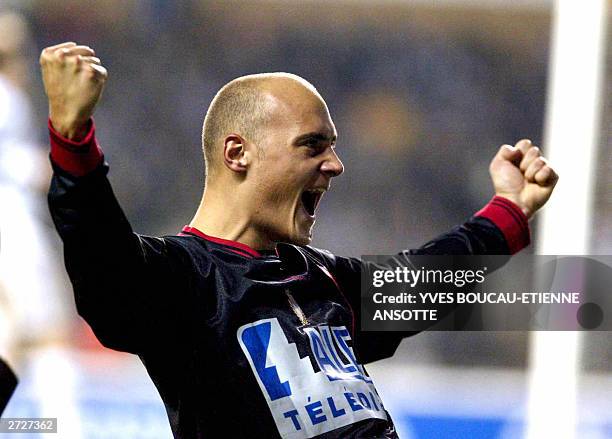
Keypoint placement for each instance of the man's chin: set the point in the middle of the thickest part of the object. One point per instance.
(302, 237)
(299, 239)
(301, 233)
(303, 240)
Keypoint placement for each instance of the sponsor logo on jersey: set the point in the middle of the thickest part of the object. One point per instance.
(305, 403)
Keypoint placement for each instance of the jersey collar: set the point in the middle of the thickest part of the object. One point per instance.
(234, 246)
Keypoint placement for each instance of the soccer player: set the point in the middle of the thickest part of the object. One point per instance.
(246, 330)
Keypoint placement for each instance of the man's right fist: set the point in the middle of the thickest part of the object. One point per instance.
(73, 79)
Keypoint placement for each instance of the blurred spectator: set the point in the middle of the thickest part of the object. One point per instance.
(33, 300)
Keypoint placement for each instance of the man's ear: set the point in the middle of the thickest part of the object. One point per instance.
(235, 154)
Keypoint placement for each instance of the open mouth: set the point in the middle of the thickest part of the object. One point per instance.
(310, 200)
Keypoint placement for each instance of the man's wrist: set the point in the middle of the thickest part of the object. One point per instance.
(515, 199)
(510, 220)
(77, 157)
(73, 130)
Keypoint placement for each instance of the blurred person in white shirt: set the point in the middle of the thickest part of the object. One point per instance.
(33, 302)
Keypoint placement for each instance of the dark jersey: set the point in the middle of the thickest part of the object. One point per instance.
(8, 382)
(239, 343)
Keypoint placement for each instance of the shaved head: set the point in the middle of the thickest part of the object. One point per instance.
(244, 106)
(269, 146)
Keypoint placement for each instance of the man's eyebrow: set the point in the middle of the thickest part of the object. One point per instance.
(315, 136)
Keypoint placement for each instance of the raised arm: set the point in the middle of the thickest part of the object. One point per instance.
(127, 286)
(523, 182)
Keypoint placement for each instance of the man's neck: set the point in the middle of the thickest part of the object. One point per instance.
(223, 218)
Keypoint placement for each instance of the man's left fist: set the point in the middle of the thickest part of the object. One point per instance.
(523, 176)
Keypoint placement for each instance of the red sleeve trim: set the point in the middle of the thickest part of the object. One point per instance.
(76, 157)
(510, 219)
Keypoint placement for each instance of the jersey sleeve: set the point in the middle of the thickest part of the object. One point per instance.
(126, 286)
(8, 383)
(500, 228)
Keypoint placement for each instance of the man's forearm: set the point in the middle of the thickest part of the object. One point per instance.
(500, 228)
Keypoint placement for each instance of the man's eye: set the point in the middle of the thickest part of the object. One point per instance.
(314, 147)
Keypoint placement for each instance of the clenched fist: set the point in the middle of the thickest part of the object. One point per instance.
(523, 176)
(73, 79)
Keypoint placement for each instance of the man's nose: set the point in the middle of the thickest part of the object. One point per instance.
(332, 166)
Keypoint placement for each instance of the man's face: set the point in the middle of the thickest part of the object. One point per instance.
(295, 165)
